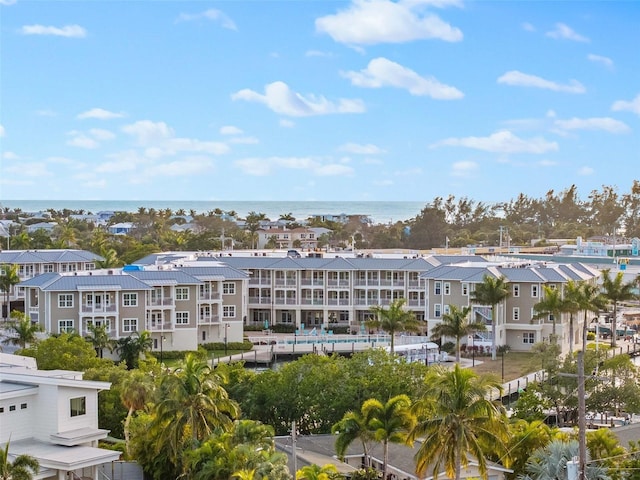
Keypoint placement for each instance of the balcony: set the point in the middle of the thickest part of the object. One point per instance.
(338, 283)
(160, 326)
(208, 319)
(312, 282)
(161, 302)
(260, 281)
(91, 308)
(204, 296)
(260, 300)
(338, 301)
(416, 303)
(367, 283)
(312, 301)
(281, 282)
(34, 313)
(286, 301)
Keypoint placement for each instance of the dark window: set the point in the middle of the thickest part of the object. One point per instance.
(23, 406)
(78, 406)
(12, 408)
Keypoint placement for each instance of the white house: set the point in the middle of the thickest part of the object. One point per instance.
(52, 416)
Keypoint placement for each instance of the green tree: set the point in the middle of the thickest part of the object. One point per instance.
(456, 324)
(389, 422)
(550, 307)
(192, 403)
(109, 258)
(491, 291)
(456, 420)
(589, 300)
(23, 467)
(132, 347)
(550, 463)
(353, 426)
(99, 338)
(394, 319)
(316, 472)
(21, 330)
(616, 291)
(136, 391)
(67, 351)
(8, 278)
(524, 438)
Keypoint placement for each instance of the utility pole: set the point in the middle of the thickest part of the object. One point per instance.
(582, 419)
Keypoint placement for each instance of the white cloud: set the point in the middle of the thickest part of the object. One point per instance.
(584, 171)
(100, 114)
(187, 166)
(282, 100)
(547, 163)
(82, 141)
(230, 130)
(2, 131)
(211, 14)
(632, 106)
(606, 61)
(10, 156)
(66, 161)
(7, 2)
(125, 161)
(516, 78)
(318, 53)
(382, 72)
(147, 132)
(101, 134)
(359, 149)
(257, 166)
(528, 27)
(29, 169)
(603, 123)
(463, 168)
(501, 142)
(372, 161)
(286, 123)
(46, 113)
(69, 31)
(370, 22)
(565, 32)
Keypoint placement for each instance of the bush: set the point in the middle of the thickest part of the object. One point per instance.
(591, 336)
(448, 347)
(253, 328)
(245, 346)
(283, 328)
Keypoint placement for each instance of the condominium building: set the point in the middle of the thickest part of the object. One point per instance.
(53, 417)
(516, 326)
(181, 307)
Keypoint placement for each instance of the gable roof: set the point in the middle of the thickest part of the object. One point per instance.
(47, 256)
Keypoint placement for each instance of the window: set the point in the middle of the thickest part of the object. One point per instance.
(228, 288)
(447, 309)
(78, 406)
(447, 288)
(465, 289)
(130, 299)
(516, 290)
(12, 408)
(65, 326)
(553, 286)
(65, 300)
(182, 318)
(437, 288)
(516, 314)
(534, 291)
(1, 409)
(229, 311)
(129, 325)
(47, 268)
(106, 323)
(182, 293)
(528, 338)
(23, 406)
(437, 310)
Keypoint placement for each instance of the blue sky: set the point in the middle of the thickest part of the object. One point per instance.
(317, 100)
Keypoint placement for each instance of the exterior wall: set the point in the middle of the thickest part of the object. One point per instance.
(17, 424)
(130, 312)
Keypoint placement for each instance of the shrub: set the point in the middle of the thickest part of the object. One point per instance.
(448, 347)
(283, 328)
(591, 336)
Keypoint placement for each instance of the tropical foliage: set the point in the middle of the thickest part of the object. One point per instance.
(394, 319)
(456, 324)
(491, 292)
(23, 467)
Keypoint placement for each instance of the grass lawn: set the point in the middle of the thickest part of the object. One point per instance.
(516, 364)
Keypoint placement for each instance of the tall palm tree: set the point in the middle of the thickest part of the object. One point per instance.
(130, 348)
(456, 324)
(616, 291)
(571, 306)
(550, 305)
(99, 338)
(8, 278)
(394, 319)
(491, 291)
(23, 329)
(23, 467)
(456, 419)
(316, 472)
(353, 426)
(590, 300)
(136, 391)
(193, 402)
(390, 422)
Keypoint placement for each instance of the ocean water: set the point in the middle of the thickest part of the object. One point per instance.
(379, 212)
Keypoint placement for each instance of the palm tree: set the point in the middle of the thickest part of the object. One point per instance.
(8, 278)
(130, 348)
(491, 291)
(193, 402)
(550, 306)
(389, 422)
(590, 300)
(316, 472)
(394, 319)
(456, 324)
(353, 426)
(24, 330)
(109, 258)
(23, 467)
(615, 291)
(136, 391)
(455, 419)
(572, 306)
(550, 463)
(99, 338)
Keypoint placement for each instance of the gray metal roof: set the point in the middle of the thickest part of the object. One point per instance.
(526, 274)
(552, 274)
(449, 259)
(164, 277)
(55, 282)
(47, 256)
(215, 273)
(457, 272)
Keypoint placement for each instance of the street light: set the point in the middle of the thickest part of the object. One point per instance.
(503, 352)
(162, 339)
(226, 328)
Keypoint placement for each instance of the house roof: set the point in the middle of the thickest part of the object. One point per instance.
(222, 272)
(61, 457)
(56, 282)
(164, 277)
(47, 256)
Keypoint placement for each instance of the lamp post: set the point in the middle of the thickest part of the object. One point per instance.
(473, 350)
(162, 339)
(502, 365)
(226, 328)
